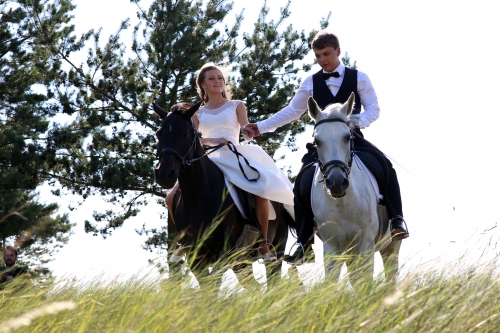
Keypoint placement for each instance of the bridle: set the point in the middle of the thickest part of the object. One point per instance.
(208, 150)
(346, 168)
(192, 147)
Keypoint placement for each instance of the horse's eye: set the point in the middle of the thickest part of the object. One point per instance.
(317, 142)
(347, 138)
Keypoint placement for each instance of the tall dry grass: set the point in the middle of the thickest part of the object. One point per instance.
(465, 299)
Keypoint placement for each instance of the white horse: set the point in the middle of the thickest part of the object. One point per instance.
(344, 202)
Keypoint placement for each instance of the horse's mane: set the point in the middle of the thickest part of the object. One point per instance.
(333, 111)
(181, 107)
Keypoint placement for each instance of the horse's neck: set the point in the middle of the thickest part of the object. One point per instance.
(360, 181)
(194, 178)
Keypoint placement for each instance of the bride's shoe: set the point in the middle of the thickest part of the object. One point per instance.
(177, 255)
(268, 256)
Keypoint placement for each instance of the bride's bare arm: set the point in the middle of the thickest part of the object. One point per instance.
(195, 120)
(241, 112)
(213, 141)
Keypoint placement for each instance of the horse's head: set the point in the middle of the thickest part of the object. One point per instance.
(177, 141)
(333, 138)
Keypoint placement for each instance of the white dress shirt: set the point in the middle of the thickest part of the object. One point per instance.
(298, 105)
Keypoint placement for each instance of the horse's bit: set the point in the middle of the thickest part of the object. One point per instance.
(346, 168)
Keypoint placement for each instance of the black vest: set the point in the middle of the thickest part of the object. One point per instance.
(324, 97)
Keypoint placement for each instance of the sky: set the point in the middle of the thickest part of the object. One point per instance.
(434, 66)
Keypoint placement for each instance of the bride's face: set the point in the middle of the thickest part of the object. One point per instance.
(213, 82)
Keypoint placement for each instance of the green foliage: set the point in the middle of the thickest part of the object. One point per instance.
(25, 157)
(109, 147)
(346, 60)
(465, 300)
(267, 68)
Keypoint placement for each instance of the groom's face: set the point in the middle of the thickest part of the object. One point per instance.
(328, 58)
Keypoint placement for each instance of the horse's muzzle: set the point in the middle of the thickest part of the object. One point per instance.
(337, 183)
(166, 178)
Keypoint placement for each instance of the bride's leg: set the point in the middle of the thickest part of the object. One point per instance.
(169, 200)
(262, 212)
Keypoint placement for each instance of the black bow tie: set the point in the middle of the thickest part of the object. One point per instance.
(327, 75)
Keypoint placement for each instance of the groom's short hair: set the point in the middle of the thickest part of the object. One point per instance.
(325, 39)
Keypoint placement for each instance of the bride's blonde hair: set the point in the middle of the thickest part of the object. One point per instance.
(227, 93)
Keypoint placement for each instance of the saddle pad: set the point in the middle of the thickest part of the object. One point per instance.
(233, 191)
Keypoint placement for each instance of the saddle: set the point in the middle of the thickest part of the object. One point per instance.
(246, 204)
(371, 158)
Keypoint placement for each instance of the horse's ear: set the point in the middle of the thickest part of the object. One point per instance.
(313, 108)
(192, 110)
(347, 107)
(159, 111)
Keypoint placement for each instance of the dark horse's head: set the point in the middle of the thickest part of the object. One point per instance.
(177, 142)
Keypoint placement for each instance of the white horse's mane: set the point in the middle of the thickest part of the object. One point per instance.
(333, 111)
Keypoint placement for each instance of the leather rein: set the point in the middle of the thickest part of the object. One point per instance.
(208, 150)
(346, 168)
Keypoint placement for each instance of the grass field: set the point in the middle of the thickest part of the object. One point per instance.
(465, 300)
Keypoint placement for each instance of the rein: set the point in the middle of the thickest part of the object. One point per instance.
(210, 149)
(232, 148)
(346, 168)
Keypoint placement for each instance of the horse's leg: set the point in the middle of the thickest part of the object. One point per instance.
(199, 267)
(360, 271)
(244, 273)
(390, 258)
(277, 234)
(332, 264)
(360, 266)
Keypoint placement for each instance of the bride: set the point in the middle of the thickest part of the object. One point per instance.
(219, 120)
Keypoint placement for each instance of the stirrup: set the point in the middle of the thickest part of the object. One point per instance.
(401, 235)
(303, 254)
(268, 257)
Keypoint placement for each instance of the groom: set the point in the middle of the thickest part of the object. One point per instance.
(333, 84)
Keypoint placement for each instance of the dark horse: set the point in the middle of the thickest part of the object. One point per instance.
(207, 222)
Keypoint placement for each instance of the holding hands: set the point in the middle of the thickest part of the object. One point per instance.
(250, 131)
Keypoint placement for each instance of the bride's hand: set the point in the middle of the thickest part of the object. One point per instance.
(221, 141)
(247, 131)
(252, 130)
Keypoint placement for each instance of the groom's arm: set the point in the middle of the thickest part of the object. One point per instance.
(293, 111)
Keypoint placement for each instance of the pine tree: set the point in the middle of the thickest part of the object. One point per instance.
(25, 111)
(109, 149)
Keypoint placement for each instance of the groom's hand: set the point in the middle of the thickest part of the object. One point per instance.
(251, 130)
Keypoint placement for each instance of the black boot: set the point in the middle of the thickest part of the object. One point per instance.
(399, 229)
(302, 254)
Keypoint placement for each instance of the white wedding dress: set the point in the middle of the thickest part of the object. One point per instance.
(223, 122)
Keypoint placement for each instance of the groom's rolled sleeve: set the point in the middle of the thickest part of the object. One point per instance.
(293, 111)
